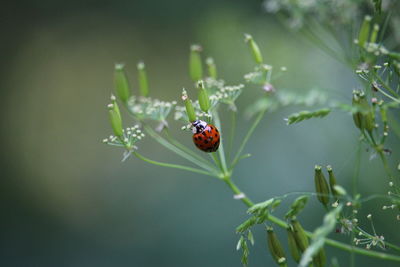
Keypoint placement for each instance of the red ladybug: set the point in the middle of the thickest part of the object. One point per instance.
(205, 136)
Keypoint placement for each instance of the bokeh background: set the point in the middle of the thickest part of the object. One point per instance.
(68, 200)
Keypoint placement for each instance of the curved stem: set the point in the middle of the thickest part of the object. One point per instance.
(247, 137)
(170, 165)
(221, 151)
(166, 144)
(176, 143)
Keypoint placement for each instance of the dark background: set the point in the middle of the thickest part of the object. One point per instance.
(67, 200)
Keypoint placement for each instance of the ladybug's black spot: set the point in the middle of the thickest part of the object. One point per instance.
(216, 130)
(205, 142)
(199, 138)
(204, 133)
(216, 135)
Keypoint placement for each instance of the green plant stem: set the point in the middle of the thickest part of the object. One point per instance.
(176, 143)
(330, 242)
(214, 156)
(232, 134)
(247, 137)
(221, 151)
(170, 165)
(387, 87)
(168, 145)
(385, 165)
(357, 169)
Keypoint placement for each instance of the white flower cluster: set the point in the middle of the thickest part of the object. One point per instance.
(131, 135)
(148, 108)
(370, 241)
(260, 75)
(376, 49)
(218, 93)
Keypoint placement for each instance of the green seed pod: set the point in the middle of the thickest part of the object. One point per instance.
(367, 114)
(319, 260)
(374, 34)
(189, 106)
(115, 119)
(255, 50)
(114, 102)
(299, 235)
(275, 247)
(332, 181)
(212, 69)
(204, 100)
(121, 83)
(143, 82)
(321, 186)
(294, 249)
(364, 31)
(357, 116)
(195, 65)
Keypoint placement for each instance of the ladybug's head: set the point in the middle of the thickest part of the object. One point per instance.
(198, 126)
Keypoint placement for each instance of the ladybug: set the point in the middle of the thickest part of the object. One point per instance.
(205, 136)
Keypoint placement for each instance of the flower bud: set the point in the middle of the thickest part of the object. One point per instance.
(195, 65)
(321, 186)
(367, 114)
(143, 82)
(255, 50)
(374, 34)
(332, 181)
(121, 83)
(212, 69)
(189, 106)
(275, 247)
(115, 119)
(357, 116)
(319, 259)
(294, 249)
(299, 235)
(204, 100)
(364, 31)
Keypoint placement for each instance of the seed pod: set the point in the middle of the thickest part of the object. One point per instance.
(195, 65)
(115, 119)
(204, 100)
(255, 50)
(367, 114)
(212, 69)
(364, 31)
(357, 116)
(299, 235)
(121, 83)
(294, 249)
(374, 34)
(319, 259)
(321, 186)
(189, 106)
(143, 82)
(332, 181)
(275, 247)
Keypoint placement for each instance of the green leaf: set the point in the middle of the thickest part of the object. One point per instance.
(319, 236)
(260, 207)
(305, 115)
(297, 206)
(246, 225)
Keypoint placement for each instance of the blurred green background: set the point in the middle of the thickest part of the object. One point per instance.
(68, 200)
